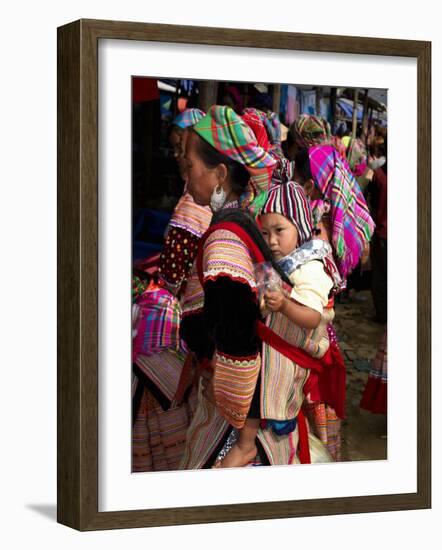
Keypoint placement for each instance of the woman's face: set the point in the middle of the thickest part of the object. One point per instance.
(279, 233)
(201, 180)
(177, 139)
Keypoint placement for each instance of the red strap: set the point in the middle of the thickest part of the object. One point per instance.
(332, 382)
(329, 385)
(298, 355)
(304, 450)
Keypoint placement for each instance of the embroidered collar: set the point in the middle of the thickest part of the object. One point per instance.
(315, 249)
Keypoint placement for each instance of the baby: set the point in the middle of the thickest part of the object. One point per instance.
(287, 226)
(302, 317)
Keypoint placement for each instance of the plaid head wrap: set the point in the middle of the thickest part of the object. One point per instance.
(284, 169)
(230, 135)
(189, 117)
(290, 200)
(351, 223)
(310, 130)
(273, 127)
(271, 123)
(255, 120)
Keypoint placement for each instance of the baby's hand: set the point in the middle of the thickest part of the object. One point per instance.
(274, 300)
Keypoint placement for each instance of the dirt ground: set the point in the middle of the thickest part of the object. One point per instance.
(364, 434)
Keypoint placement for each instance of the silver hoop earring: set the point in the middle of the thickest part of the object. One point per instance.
(217, 199)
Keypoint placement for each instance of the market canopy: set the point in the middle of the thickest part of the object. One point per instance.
(347, 107)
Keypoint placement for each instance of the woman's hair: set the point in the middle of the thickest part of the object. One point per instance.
(238, 174)
(340, 131)
(302, 165)
(174, 128)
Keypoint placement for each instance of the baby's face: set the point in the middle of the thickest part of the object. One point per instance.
(280, 234)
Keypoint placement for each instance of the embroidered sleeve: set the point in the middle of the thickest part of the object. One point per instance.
(193, 299)
(234, 386)
(177, 258)
(231, 312)
(225, 312)
(226, 255)
(190, 216)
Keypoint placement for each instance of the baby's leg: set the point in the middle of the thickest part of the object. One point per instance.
(244, 450)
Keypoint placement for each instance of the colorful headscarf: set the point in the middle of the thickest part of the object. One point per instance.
(351, 223)
(270, 121)
(266, 128)
(310, 130)
(273, 127)
(255, 120)
(189, 117)
(230, 135)
(356, 156)
(290, 200)
(284, 169)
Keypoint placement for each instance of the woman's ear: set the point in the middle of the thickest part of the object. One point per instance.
(222, 173)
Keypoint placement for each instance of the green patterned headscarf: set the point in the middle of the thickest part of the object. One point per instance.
(224, 130)
(310, 130)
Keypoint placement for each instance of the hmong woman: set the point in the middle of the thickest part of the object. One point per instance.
(160, 423)
(342, 218)
(222, 323)
(189, 221)
(324, 414)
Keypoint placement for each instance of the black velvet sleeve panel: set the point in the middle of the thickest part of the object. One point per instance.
(194, 331)
(230, 312)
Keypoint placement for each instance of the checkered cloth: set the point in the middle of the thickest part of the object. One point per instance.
(255, 119)
(189, 117)
(310, 130)
(351, 223)
(158, 326)
(227, 132)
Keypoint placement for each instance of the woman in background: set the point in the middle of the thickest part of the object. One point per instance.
(341, 217)
(160, 421)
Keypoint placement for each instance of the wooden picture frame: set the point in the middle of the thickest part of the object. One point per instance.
(77, 386)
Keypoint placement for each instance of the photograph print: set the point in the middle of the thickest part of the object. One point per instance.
(259, 274)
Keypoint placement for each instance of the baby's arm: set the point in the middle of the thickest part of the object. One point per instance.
(303, 316)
